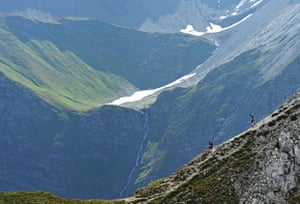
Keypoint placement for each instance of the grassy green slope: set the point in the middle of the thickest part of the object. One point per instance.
(81, 64)
(145, 60)
(56, 75)
(71, 154)
(42, 198)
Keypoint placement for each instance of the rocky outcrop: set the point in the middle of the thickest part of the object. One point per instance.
(261, 165)
(275, 178)
(153, 16)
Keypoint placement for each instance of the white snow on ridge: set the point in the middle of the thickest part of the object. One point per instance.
(256, 3)
(240, 4)
(212, 28)
(243, 3)
(237, 23)
(136, 96)
(190, 30)
(234, 13)
(139, 95)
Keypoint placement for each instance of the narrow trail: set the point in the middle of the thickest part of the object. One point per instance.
(138, 157)
(200, 163)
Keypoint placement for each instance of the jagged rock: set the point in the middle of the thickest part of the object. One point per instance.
(267, 159)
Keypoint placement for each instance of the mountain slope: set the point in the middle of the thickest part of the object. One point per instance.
(253, 70)
(182, 121)
(42, 197)
(250, 76)
(103, 61)
(259, 165)
(169, 16)
(64, 152)
(57, 75)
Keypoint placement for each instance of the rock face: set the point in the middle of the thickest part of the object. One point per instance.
(261, 165)
(276, 177)
(154, 16)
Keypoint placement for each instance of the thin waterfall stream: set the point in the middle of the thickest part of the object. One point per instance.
(141, 148)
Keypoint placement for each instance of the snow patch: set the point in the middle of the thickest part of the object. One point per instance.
(242, 2)
(190, 30)
(246, 4)
(256, 3)
(212, 28)
(237, 23)
(139, 95)
(234, 13)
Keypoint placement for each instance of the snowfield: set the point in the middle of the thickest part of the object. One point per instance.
(139, 95)
(212, 28)
(189, 29)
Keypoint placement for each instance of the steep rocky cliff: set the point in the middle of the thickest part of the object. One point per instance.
(260, 165)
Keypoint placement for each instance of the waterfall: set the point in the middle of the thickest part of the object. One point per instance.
(138, 156)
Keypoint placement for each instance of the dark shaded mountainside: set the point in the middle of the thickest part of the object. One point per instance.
(49, 144)
(66, 153)
(262, 165)
(53, 70)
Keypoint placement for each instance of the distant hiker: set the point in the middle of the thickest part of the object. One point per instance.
(210, 145)
(252, 119)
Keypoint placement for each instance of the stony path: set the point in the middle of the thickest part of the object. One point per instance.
(193, 168)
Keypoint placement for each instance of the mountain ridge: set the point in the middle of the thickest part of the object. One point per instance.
(94, 54)
(211, 111)
(254, 69)
(281, 128)
(266, 153)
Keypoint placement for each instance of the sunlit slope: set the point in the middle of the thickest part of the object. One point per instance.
(83, 63)
(41, 197)
(58, 76)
